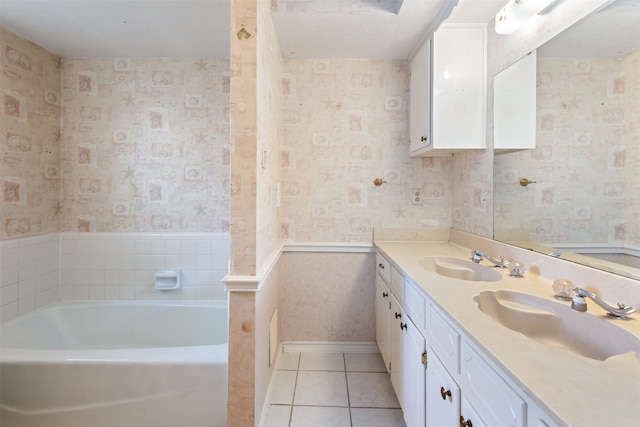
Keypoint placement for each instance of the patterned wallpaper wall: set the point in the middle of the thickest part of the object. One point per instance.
(29, 139)
(269, 119)
(587, 179)
(145, 144)
(345, 124)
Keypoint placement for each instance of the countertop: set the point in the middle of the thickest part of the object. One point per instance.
(572, 389)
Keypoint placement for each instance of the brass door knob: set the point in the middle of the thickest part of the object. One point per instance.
(378, 182)
(444, 393)
(524, 182)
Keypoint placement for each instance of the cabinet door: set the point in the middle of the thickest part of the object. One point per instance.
(459, 83)
(413, 374)
(383, 309)
(489, 395)
(420, 98)
(469, 417)
(395, 352)
(514, 106)
(443, 395)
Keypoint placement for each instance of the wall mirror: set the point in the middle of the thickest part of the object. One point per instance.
(584, 201)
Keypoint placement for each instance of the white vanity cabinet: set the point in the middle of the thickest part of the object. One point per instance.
(448, 91)
(399, 333)
(383, 307)
(460, 385)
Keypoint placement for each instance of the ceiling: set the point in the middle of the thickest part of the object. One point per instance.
(200, 28)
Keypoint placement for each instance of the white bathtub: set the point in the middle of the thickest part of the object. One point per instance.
(124, 364)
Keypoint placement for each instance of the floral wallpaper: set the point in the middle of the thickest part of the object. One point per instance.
(29, 139)
(145, 144)
(346, 123)
(585, 164)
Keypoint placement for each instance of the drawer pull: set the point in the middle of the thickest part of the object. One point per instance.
(398, 315)
(385, 294)
(444, 393)
(464, 423)
(403, 326)
(381, 265)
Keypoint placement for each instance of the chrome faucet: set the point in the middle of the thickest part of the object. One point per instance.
(580, 304)
(477, 255)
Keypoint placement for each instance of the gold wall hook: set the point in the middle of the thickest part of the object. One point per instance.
(379, 181)
(524, 182)
(243, 34)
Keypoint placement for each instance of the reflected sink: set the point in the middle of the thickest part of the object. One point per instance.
(459, 268)
(555, 324)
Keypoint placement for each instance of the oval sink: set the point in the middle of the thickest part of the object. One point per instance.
(459, 268)
(555, 324)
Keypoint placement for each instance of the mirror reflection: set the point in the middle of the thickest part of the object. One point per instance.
(584, 203)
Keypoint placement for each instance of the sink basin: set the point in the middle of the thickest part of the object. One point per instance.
(459, 268)
(555, 324)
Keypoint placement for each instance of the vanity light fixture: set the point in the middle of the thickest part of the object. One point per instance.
(517, 12)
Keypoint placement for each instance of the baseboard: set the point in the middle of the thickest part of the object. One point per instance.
(328, 347)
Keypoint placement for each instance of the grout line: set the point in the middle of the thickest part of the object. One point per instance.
(344, 361)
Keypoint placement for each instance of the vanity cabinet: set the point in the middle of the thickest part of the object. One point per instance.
(440, 376)
(401, 340)
(448, 91)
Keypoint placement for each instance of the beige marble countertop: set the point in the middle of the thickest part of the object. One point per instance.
(572, 389)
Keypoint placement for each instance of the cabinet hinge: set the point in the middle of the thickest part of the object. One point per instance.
(423, 359)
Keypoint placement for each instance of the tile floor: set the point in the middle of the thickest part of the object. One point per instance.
(332, 389)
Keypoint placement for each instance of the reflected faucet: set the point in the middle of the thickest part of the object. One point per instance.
(580, 304)
(477, 255)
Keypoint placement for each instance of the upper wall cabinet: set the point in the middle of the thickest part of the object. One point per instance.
(514, 106)
(448, 92)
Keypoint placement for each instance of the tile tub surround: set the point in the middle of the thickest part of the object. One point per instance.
(332, 388)
(121, 266)
(36, 271)
(29, 274)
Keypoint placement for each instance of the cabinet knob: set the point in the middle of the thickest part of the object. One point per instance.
(403, 326)
(444, 393)
(385, 295)
(381, 265)
(398, 315)
(423, 138)
(464, 423)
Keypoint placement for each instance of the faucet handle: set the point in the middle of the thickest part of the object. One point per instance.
(564, 289)
(516, 269)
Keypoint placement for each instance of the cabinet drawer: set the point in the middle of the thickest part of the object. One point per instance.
(444, 339)
(415, 303)
(383, 267)
(397, 284)
(495, 402)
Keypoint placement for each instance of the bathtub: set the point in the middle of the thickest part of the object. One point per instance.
(124, 364)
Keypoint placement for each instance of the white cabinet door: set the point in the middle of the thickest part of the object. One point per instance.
(420, 98)
(514, 106)
(469, 417)
(396, 347)
(455, 79)
(489, 395)
(442, 396)
(383, 309)
(413, 374)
